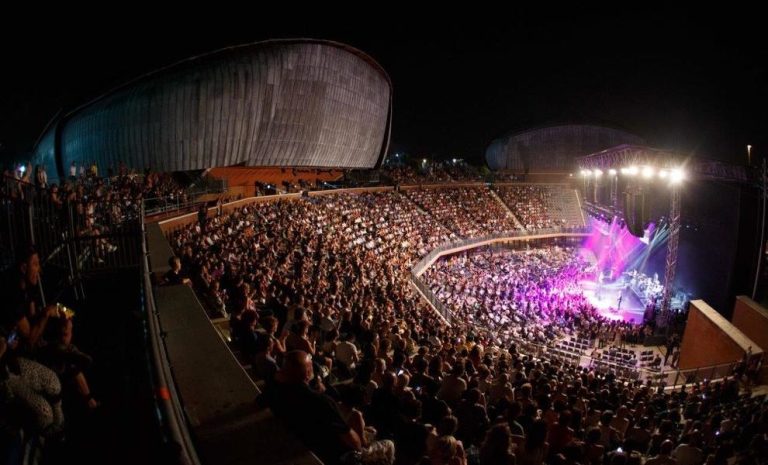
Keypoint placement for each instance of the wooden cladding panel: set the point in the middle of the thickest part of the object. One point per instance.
(272, 104)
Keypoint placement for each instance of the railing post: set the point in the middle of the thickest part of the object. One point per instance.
(11, 235)
(30, 217)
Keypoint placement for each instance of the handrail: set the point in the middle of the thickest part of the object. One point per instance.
(166, 393)
(421, 266)
(424, 263)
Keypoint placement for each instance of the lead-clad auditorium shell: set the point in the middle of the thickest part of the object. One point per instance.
(553, 148)
(277, 103)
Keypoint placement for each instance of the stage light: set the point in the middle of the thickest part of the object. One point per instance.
(631, 171)
(598, 173)
(647, 172)
(586, 173)
(663, 174)
(676, 176)
(612, 172)
(424, 160)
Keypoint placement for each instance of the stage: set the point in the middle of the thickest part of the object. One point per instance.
(606, 298)
(608, 301)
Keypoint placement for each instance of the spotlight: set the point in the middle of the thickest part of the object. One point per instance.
(676, 176)
(598, 173)
(647, 172)
(586, 173)
(632, 171)
(612, 172)
(663, 174)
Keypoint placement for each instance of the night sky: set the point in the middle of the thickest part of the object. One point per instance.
(693, 84)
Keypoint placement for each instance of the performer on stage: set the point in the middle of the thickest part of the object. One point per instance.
(599, 289)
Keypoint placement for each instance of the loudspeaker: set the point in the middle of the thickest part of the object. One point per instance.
(636, 213)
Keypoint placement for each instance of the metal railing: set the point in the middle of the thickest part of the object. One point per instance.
(436, 303)
(423, 264)
(155, 205)
(28, 216)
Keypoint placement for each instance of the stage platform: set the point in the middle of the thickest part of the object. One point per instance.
(607, 301)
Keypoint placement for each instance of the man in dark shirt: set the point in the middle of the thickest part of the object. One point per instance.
(23, 309)
(175, 275)
(312, 416)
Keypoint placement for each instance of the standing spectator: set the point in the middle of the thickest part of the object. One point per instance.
(202, 217)
(41, 177)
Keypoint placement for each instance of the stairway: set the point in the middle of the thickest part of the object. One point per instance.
(518, 224)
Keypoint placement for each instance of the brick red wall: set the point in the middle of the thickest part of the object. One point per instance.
(751, 321)
(706, 343)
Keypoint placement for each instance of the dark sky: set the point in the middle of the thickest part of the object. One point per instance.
(692, 83)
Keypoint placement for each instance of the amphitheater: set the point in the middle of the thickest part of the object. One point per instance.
(308, 297)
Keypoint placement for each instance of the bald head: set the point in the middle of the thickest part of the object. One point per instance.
(666, 447)
(297, 367)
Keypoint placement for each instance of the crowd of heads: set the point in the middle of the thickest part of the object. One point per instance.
(530, 203)
(320, 303)
(533, 294)
(97, 203)
(467, 211)
(432, 173)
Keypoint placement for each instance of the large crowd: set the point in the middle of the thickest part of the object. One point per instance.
(530, 204)
(432, 173)
(320, 303)
(467, 211)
